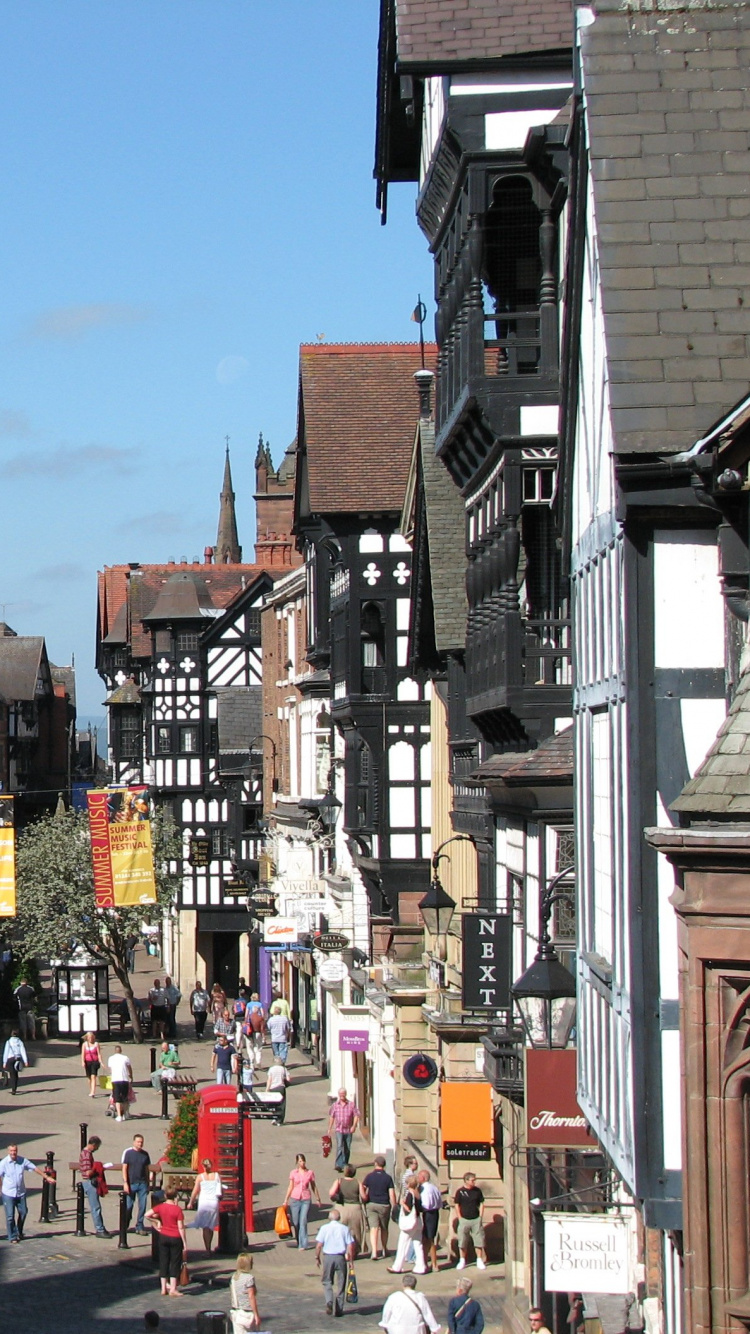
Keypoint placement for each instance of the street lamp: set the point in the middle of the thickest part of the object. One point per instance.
(437, 907)
(546, 993)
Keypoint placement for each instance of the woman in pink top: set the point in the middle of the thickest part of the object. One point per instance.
(302, 1185)
(91, 1059)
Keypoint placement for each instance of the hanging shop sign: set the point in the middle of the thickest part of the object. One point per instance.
(420, 1071)
(354, 1039)
(121, 853)
(486, 961)
(330, 941)
(237, 887)
(553, 1116)
(280, 931)
(200, 851)
(586, 1253)
(262, 903)
(7, 858)
(332, 972)
(467, 1150)
(466, 1121)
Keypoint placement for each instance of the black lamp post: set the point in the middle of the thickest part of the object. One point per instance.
(546, 993)
(437, 907)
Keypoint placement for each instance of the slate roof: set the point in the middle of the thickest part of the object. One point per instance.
(668, 109)
(551, 762)
(451, 32)
(240, 717)
(721, 786)
(21, 661)
(358, 410)
(446, 537)
(184, 597)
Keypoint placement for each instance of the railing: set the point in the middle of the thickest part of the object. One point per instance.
(339, 584)
(547, 653)
(517, 347)
(503, 649)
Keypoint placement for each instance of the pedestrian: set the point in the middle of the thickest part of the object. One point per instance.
(343, 1118)
(224, 1025)
(14, 1059)
(130, 945)
(238, 1007)
(536, 1321)
(411, 1168)
(173, 997)
(378, 1194)
(407, 1311)
(254, 1027)
(279, 1030)
(121, 1073)
(12, 1173)
(280, 1005)
(207, 1191)
(345, 1193)
(218, 1001)
(91, 1060)
(90, 1182)
(167, 1063)
(222, 1060)
(26, 1000)
(335, 1244)
(469, 1208)
(465, 1315)
(243, 1295)
(276, 1083)
(409, 1229)
(136, 1174)
(157, 999)
(169, 1221)
(431, 1202)
(199, 1003)
(302, 1186)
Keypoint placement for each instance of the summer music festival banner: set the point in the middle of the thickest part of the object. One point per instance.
(7, 858)
(121, 851)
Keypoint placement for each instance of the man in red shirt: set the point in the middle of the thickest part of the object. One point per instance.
(169, 1222)
(343, 1118)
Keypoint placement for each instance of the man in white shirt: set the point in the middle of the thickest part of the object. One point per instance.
(407, 1311)
(121, 1073)
(276, 1082)
(335, 1243)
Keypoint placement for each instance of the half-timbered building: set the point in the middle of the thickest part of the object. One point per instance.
(179, 648)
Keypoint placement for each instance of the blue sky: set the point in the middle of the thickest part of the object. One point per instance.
(187, 195)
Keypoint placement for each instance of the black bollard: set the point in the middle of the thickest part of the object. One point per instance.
(53, 1209)
(80, 1212)
(152, 1058)
(84, 1133)
(44, 1211)
(122, 1241)
(165, 1100)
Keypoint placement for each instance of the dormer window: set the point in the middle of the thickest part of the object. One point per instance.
(187, 641)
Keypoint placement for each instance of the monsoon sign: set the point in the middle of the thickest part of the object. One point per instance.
(586, 1253)
(121, 852)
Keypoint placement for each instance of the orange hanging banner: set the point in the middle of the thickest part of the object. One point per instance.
(121, 851)
(104, 890)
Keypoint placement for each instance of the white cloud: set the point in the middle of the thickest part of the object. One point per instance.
(231, 369)
(67, 323)
(65, 462)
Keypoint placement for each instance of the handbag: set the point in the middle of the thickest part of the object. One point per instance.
(281, 1222)
(184, 1278)
(352, 1294)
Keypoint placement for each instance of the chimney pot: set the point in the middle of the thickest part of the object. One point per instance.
(424, 379)
(208, 556)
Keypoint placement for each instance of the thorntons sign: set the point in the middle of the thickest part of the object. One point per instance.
(586, 1253)
(553, 1117)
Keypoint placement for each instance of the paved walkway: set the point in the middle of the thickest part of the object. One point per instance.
(56, 1283)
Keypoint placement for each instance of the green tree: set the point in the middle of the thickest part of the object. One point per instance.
(56, 906)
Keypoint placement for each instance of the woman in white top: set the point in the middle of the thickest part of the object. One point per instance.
(243, 1296)
(207, 1191)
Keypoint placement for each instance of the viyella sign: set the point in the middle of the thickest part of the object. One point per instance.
(486, 961)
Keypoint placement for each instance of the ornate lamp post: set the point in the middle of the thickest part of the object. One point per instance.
(546, 993)
(437, 907)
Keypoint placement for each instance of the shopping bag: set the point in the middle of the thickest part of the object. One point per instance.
(352, 1295)
(105, 1082)
(281, 1223)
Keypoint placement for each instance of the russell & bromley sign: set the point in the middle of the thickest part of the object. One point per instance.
(553, 1116)
(586, 1253)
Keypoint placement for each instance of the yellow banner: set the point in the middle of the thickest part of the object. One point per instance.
(121, 847)
(7, 858)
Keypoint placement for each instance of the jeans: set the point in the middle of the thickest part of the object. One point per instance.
(12, 1204)
(299, 1209)
(12, 1069)
(334, 1267)
(89, 1190)
(223, 1076)
(280, 1051)
(343, 1149)
(200, 1017)
(139, 1191)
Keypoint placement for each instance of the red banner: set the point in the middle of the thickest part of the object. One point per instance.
(553, 1116)
(101, 859)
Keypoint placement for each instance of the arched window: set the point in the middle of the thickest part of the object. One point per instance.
(372, 638)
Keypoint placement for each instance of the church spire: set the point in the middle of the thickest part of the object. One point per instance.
(228, 550)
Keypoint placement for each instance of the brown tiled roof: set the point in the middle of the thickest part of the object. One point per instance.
(551, 762)
(446, 32)
(668, 117)
(359, 408)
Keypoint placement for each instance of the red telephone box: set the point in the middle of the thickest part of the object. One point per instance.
(218, 1139)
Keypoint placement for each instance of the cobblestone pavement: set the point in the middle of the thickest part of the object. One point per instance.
(56, 1283)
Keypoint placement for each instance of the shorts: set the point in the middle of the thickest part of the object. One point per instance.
(430, 1221)
(120, 1090)
(158, 1014)
(378, 1215)
(470, 1227)
(92, 1068)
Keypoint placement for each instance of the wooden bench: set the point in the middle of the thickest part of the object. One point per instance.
(181, 1180)
(180, 1085)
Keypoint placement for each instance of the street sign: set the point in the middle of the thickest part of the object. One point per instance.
(330, 941)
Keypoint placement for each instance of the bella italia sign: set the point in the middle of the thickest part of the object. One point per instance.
(586, 1253)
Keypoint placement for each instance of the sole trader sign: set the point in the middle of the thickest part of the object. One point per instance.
(586, 1253)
